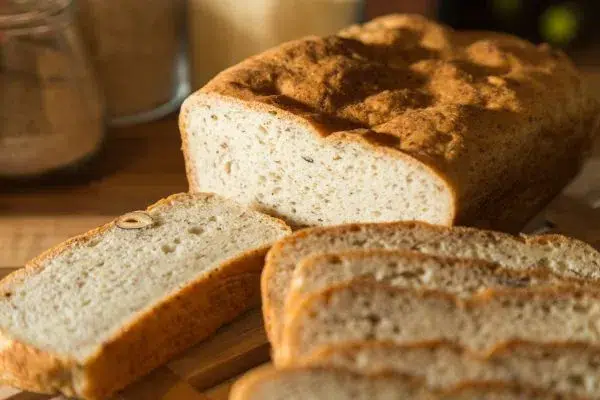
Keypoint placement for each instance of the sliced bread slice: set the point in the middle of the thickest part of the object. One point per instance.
(392, 120)
(405, 268)
(92, 314)
(568, 368)
(564, 256)
(339, 384)
(360, 310)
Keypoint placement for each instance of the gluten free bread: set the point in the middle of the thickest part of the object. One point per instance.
(360, 311)
(341, 384)
(559, 367)
(91, 315)
(397, 119)
(463, 277)
(562, 256)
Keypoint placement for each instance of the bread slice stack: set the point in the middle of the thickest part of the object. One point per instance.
(93, 314)
(401, 118)
(364, 304)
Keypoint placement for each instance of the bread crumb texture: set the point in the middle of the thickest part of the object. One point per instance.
(78, 296)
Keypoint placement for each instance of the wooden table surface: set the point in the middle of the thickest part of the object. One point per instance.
(140, 165)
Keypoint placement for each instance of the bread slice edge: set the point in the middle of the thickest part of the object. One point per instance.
(312, 261)
(273, 311)
(286, 353)
(154, 336)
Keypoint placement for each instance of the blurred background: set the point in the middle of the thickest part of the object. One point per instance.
(89, 89)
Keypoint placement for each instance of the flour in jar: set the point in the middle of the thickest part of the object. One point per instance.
(51, 113)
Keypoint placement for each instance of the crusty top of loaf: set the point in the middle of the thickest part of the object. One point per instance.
(411, 84)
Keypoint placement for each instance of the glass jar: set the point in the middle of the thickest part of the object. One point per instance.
(51, 113)
(224, 32)
(136, 47)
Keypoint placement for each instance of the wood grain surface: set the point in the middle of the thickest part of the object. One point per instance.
(141, 165)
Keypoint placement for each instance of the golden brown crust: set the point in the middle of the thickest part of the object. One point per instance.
(420, 90)
(21, 364)
(272, 308)
(177, 322)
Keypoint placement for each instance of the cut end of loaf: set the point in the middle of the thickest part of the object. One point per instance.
(281, 163)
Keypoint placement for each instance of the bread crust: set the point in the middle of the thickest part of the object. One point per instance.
(272, 300)
(156, 335)
(434, 96)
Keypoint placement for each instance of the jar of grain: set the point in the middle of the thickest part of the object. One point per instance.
(137, 49)
(224, 32)
(51, 113)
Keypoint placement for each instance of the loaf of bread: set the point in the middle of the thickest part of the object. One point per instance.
(565, 257)
(571, 369)
(398, 119)
(360, 311)
(96, 312)
(339, 384)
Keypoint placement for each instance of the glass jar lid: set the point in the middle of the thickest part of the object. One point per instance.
(21, 13)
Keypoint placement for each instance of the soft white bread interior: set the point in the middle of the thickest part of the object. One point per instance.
(278, 162)
(566, 368)
(360, 310)
(559, 255)
(403, 268)
(96, 312)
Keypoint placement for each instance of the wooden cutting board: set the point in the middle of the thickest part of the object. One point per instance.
(141, 165)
